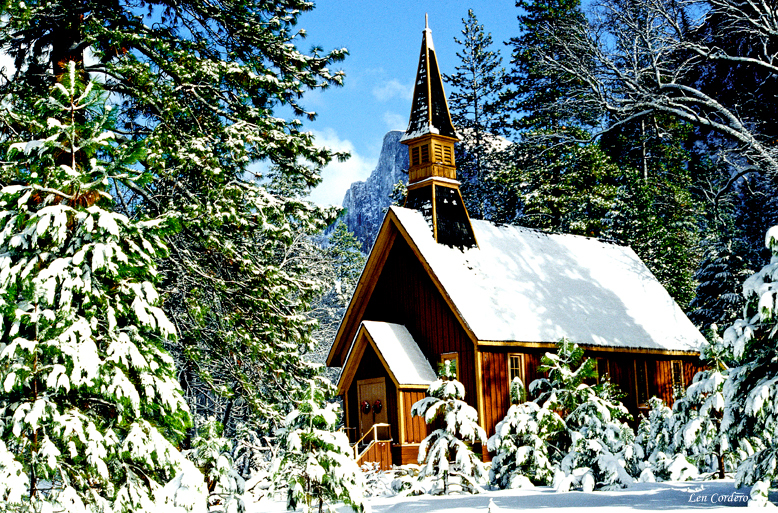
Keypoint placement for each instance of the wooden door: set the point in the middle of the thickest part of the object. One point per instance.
(370, 391)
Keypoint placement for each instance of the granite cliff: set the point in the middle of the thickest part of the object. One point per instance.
(365, 203)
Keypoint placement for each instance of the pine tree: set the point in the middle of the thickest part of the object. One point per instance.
(538, 95)
(211, 453)
(316, 461)
(563, 181)
(337, 261)
(597, 444)
(521, 441)
(717, 299)
(89, 406)
(475, 111)
(655, 212)
(444, 453)
(567, 189)
(662, 457)
(750, 415)
(202, 89)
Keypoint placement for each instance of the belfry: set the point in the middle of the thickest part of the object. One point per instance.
(433, 188)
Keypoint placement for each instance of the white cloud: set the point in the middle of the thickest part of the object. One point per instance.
(395, 121)
(393, 89)
(338, 176)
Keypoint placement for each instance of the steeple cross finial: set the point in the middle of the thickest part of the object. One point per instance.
(426, 21)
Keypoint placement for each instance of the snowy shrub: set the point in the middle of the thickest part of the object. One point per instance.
(378, 483)
(211, 454)
(598, 445)
(696, 424)
(90, 406)
(653, 442)
(520, 444)
(407, 481)
(316, 462)
(750, 408)
(253, 455)
(444, 454)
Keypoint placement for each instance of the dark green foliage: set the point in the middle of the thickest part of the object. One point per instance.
(539, 98)
(655, 212)
(476, 113)
(202, 87)
(717, 299)
(566, 188)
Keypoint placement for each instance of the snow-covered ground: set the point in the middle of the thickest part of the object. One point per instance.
(667, 496)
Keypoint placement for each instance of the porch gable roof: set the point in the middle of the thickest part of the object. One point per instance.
(397, 350)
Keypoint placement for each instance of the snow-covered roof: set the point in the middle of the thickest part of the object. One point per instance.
(523, 285)
(396, 347)
(401, 353)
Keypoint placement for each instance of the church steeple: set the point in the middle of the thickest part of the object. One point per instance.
(432, 185)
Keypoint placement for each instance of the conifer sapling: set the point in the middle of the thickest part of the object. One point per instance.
(445, 452)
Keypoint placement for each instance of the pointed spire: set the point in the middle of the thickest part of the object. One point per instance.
(432, 186)
(429, 110)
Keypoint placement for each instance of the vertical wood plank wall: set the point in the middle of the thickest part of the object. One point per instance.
(405, 294)
(415, 427)
(622, 373)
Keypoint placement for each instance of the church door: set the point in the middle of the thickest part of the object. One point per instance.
(372, 405)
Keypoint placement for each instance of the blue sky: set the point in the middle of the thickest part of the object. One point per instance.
(383, 39)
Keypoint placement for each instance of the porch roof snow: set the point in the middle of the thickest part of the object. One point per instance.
(401, 353)
(525, 285)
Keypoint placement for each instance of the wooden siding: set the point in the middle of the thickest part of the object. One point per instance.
(378, 452)
(496, 384)
(415, 427)
(405, 294)
(404, 454)
(496, 391)
(622, 374)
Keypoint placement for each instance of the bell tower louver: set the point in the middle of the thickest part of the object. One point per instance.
(432, 185)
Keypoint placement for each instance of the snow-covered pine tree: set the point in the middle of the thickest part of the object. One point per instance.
(520, 444)
(89, 404)
(597, 444)
(697, 414)
(564, 389)
(717, 299)
(211, 453)
(654, 440)
(316, 462)
(750, 409)
(444, 454)
(207, 91)
(601, 444)
(658, 455)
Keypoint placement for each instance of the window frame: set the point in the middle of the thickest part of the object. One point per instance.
(641, 364)
(451, 356)
(678, 385)
(520, 368)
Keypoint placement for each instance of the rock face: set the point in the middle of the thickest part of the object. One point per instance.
(365, 203)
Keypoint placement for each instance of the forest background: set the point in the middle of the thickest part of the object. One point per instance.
(130, 133)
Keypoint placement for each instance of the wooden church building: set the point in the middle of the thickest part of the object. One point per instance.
(439, 286)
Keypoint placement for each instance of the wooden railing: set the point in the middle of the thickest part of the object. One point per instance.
(373, 431)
